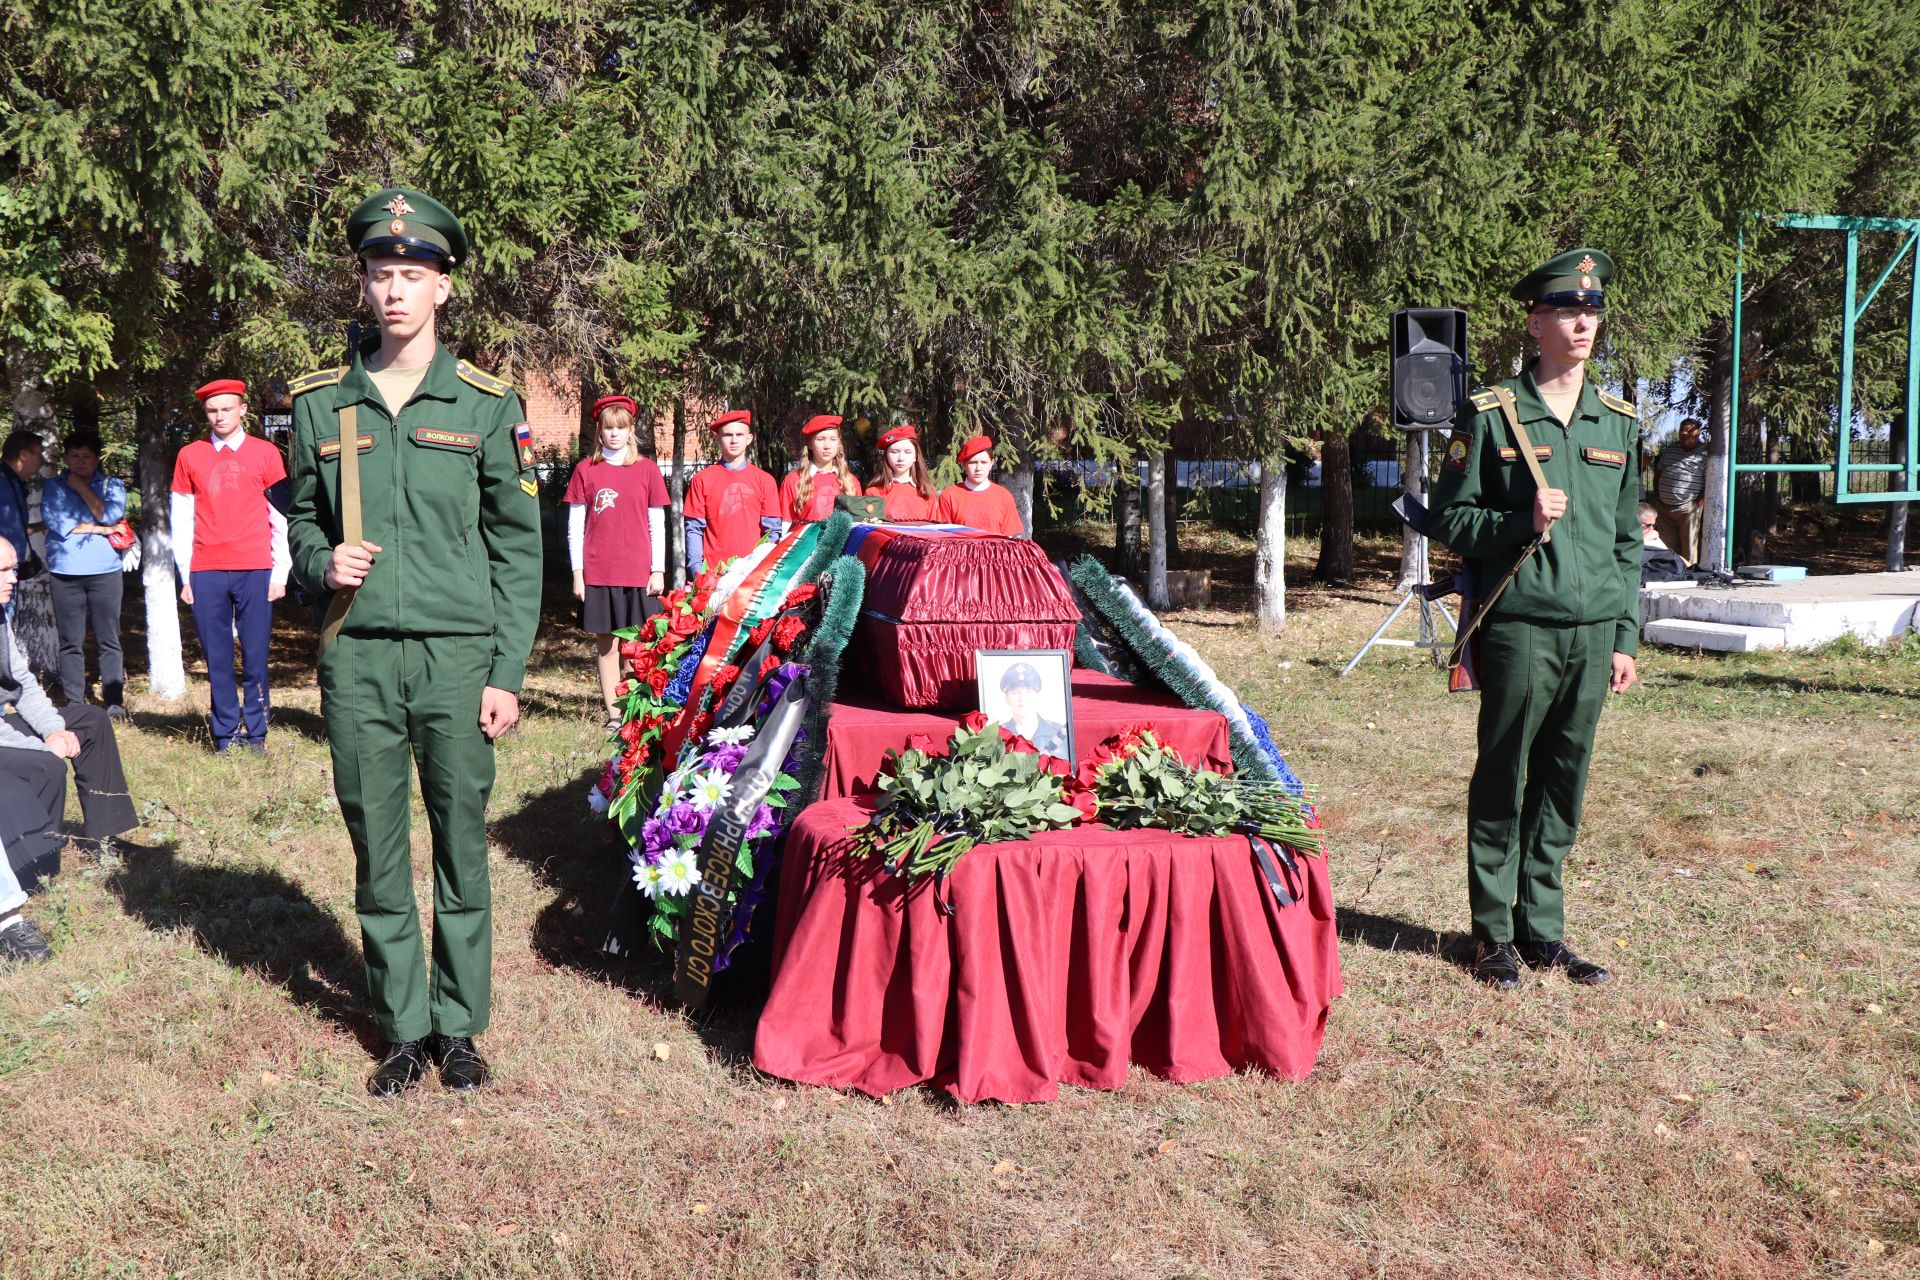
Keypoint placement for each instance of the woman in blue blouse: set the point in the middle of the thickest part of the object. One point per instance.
(78, 508)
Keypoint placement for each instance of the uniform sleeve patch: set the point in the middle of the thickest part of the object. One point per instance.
(531, 489)
(1457, 454)
(1611, 457)
(523, 444)
(331, 448)
(447, 439)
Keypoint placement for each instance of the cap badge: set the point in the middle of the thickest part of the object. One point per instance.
(397, 227)
(1586, 282)
(1586, 262)
(398, 206)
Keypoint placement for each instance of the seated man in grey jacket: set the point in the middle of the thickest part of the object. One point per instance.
(36, 741)
(26, 844)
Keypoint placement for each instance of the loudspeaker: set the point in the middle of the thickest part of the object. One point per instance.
(1429, 366)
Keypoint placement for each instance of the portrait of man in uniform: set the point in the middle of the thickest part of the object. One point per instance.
(1028, 692)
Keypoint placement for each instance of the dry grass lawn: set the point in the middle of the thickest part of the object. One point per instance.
(180, 1090)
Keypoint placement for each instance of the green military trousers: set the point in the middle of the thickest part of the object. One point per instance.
(392, 705)
(1541, 690)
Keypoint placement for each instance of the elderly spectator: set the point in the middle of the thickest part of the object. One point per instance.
(1658, 563)
(1679, 479)
(26, 843)
(80, 508)
(36, 741)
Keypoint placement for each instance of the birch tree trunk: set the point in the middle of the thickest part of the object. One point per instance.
(166, 668)
(1020, 483)
(1157, 530)
(1270, 546)
(1714, 553)
(1897, 511)
(677, 506)
(1126, 521)
(33, 625)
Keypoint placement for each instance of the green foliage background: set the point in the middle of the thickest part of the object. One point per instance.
(1079, 223)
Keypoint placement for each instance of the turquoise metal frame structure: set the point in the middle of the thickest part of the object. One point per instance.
(1843, 467)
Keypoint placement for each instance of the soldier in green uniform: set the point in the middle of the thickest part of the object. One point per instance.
(424, 548)
(1567, 627)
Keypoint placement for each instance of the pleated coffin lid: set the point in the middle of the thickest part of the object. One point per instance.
(933, 599)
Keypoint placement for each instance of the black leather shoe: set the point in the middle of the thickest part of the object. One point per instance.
(400, 1070)
(1558, 955)
(461, 1066)
(22, 943)
(1497, 965)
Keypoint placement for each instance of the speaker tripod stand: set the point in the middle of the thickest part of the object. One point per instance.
(1419, 592)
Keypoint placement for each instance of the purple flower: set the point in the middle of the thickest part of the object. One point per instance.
(684, 819)
(728, 758)
(654, 836)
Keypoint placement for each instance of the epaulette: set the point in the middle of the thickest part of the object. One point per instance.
(485, 381)
(314, 381)
(1486, 398)
(1618, 405)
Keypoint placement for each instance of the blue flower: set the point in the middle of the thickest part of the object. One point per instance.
(682, 683)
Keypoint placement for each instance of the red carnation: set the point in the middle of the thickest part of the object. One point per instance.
(725, 676)
(759, 633)
(768, 665)
(800, 595)
(701, 723)
(787, 632)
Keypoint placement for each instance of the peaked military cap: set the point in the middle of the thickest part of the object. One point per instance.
(397, 222)
(1571, 279)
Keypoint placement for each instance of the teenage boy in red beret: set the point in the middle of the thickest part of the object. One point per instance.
(978, 502)
(729, 507)
(230, 546)
(904, 481)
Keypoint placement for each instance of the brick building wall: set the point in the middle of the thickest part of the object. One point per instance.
(556, 408)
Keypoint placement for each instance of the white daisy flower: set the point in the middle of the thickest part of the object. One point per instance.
(678, 873)
(728, 737)
(710, 789)
(650, 878)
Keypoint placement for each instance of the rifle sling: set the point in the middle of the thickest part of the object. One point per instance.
(1524, 443)
(350, 532)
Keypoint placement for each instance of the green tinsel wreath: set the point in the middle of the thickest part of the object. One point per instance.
(844, 584)
(1097, 587)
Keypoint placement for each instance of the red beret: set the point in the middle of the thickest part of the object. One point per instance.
(221, 387)
(894, 435)
(977, 444)
(821, 422)
(608, 402)
(732, 415)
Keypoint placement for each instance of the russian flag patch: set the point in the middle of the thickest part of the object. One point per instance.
(523, 443)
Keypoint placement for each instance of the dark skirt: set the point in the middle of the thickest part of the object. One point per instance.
(609, 609)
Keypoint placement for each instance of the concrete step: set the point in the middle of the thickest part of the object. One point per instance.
(1721, 637)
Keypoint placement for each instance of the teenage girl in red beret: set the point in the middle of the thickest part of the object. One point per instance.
(904, 482)
(807, 493)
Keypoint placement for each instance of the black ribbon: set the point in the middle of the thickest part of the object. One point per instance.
(1264, 854)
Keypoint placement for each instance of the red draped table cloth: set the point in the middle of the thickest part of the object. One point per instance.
(1065, 958)
(860, 729)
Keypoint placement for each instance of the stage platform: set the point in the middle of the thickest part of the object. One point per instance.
(1876, 607)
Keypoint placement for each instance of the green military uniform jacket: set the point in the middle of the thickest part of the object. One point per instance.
(446, 493)
(1589, 571)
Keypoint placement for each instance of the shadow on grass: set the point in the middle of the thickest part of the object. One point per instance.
(582, 858)
(1755, 682)
(258, 920)
(1386, 933)
(193, 726)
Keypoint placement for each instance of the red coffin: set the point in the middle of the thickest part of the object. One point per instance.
(933, 598)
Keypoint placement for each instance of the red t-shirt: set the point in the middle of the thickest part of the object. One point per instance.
(617, 550)
(903, 500)
(231, 527)
(992, 509)
(732, 503)
(826, 487)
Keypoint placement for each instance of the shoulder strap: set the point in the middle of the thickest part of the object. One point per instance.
(350, 531)
(1524, 443)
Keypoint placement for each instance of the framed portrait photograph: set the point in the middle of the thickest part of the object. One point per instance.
(1030, 692)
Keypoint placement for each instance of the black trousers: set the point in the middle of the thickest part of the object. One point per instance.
(106, 807)
(81, 600)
